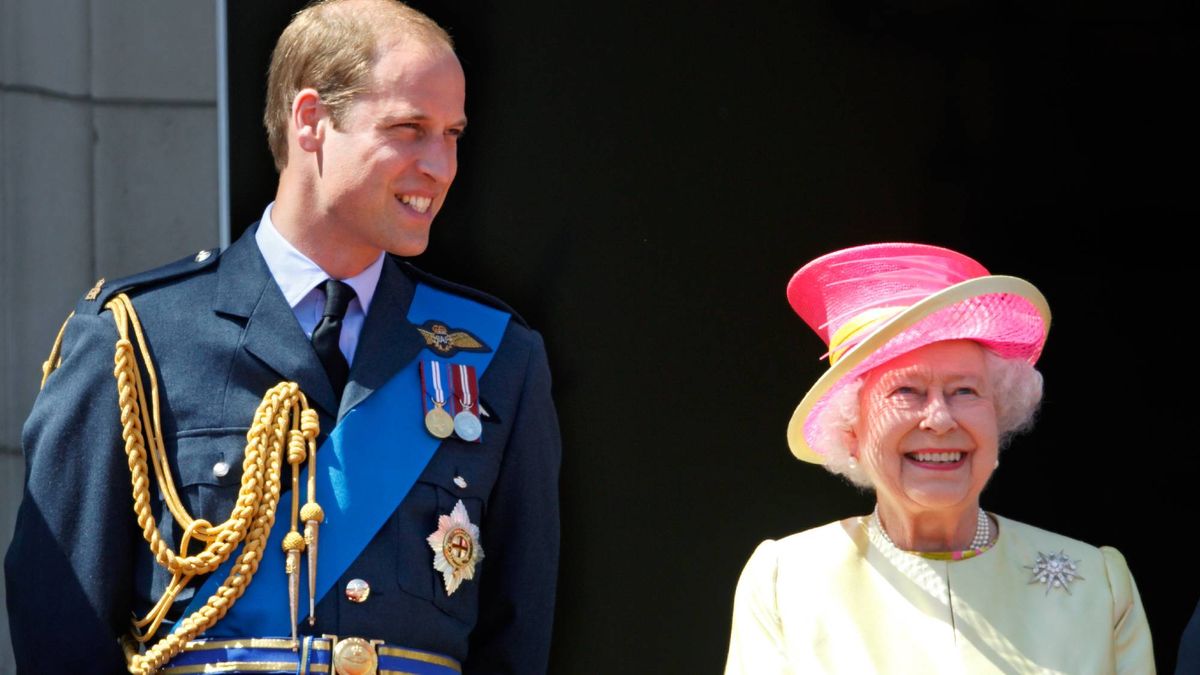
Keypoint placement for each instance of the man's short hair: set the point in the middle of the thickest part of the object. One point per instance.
(331, 46)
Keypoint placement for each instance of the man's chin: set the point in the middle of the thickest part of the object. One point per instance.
(409, 248)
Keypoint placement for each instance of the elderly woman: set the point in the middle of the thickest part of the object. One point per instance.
(932, 370)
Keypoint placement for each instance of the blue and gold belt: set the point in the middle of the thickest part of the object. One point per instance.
(326, 654)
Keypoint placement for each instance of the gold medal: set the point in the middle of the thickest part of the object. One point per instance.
(439, 422)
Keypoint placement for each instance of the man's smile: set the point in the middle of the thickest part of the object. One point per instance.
(418, 204)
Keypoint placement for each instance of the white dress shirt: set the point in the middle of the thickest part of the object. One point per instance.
(301, 281)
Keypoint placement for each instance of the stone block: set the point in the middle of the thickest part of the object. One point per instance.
(46, 44)
(12, 477)
(46, 146)
(155, 186)
(154, 50)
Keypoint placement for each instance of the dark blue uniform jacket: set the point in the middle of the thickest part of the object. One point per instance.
(221, 334)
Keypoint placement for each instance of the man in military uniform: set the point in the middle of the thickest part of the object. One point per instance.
(429, 530)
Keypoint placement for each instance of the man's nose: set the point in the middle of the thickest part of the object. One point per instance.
(439, 159)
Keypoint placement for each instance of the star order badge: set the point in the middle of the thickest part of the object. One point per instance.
(456, 547)
(1055, 570)
(447, 341)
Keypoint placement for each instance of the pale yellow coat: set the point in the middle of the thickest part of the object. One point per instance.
(839, 599)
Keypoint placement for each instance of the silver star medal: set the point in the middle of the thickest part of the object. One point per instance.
(1055, 570)
(456, 547)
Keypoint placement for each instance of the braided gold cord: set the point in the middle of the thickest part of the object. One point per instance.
(53, 361)
(282, 422)
(135, 416)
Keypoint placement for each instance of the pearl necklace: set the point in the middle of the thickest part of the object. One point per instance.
(979, 543)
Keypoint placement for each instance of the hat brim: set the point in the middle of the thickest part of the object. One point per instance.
(906, 319)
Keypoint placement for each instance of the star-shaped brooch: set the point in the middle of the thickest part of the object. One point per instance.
(456, 548)
(1055, 570)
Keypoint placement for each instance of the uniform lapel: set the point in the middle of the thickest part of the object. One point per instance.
(246, 289)
(388, 341)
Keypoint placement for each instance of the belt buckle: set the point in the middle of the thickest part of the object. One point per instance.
(354, 656)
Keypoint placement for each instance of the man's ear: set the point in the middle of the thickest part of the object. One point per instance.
(308, 117)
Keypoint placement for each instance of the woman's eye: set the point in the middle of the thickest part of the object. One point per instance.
(966, 391)
(905, 391)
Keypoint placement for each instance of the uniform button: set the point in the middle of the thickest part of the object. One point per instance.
(460, 482)
(203, 255)
(220, 469)
(358, 590)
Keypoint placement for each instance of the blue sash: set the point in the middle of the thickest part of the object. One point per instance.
(365, 468)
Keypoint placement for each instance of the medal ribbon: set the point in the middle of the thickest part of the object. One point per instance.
(365, 468)
(465, 388)
(431, 374)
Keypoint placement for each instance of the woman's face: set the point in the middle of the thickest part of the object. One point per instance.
(926, 433)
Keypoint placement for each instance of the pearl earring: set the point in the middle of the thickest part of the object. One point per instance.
(852, 463)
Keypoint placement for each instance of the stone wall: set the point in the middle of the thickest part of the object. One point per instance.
(108, 165)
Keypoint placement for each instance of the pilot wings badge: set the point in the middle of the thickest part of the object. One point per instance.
(447, 341)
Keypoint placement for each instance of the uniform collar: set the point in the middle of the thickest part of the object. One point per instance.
(297, 275)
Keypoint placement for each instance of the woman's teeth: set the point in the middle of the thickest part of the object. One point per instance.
(936, 456)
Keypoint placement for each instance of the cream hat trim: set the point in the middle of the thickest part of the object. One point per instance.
(989, 285)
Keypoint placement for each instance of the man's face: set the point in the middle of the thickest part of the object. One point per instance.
(385, 172)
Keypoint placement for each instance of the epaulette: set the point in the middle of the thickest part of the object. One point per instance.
(425, 277)
(93, 301)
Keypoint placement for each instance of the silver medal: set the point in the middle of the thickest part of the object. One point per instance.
(467, 426)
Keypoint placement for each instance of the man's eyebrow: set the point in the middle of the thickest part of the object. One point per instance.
(416, 116)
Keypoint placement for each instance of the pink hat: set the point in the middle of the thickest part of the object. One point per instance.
(873, 303)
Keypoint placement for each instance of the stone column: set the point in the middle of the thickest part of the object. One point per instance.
(108, 162)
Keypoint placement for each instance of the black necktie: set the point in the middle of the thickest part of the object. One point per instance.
(329, 329)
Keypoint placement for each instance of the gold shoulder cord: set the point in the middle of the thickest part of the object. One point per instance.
(282, 418)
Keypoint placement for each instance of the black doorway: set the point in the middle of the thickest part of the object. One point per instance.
(641, 179)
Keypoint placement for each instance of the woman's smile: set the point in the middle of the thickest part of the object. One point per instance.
(927, 435)
(935, 460)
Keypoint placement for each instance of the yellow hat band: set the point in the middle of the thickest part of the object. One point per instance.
(859, 326)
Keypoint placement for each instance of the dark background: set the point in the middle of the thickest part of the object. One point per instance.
(641, 179)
